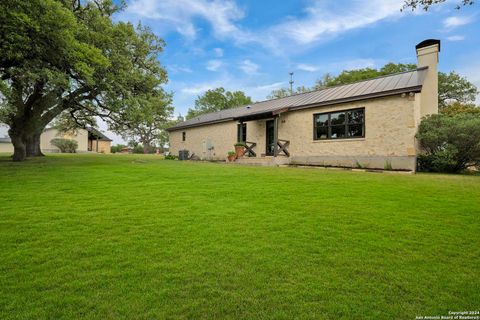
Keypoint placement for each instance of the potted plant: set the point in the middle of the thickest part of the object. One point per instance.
(231, 155)
(239, 149)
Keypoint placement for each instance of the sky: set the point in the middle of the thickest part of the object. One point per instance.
(252, 45)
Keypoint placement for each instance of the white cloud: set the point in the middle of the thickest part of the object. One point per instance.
(249, 67)
(178, 69)
(338, 65)
(180, 15)
(453, 22)
(269, 87)
(456, 38)
(307, 67)
(197, 89)
(218, 52)
(322, 20)
(214, 65)
(352, 64)
(325, 20)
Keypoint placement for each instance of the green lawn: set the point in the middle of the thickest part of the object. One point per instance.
(108, 237)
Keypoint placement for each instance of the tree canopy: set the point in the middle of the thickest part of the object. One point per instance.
(349, 76)
(146, 121)
(68, 56)
(216, 100)
(454, 88)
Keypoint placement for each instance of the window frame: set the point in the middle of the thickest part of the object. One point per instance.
(329, 126)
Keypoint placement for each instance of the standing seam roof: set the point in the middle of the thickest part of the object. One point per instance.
(407, 81)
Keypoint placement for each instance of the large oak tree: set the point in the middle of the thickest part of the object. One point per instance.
(60, 56)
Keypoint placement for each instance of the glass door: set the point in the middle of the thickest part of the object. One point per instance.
(269, 138)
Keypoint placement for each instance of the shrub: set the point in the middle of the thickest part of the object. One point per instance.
(231, 153)
(170, 157)
(117, 148)
(65, 145)
(137, 149)
(450, 143)
(388, 165)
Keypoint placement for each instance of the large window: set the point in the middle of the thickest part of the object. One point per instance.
(339, 125)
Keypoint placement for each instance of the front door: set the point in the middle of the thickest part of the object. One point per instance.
(270, 138)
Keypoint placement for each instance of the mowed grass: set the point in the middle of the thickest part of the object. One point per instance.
(127, 236)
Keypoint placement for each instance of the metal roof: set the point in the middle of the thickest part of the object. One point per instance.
(409, 81)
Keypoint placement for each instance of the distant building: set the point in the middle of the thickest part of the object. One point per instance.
(89, 140)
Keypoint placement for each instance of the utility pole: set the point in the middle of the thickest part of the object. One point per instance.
(291, 83)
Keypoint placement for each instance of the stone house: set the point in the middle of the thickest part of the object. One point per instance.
(370, 123)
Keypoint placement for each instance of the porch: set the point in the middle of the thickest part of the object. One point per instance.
(260, 135)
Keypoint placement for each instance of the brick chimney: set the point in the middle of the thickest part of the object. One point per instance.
(427, 56)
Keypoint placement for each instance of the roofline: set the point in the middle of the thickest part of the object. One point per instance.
(174, 128)
(345, 84)
(313, 105)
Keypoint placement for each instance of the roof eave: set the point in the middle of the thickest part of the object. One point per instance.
(175, 128)
(361, 98)
(417, 88)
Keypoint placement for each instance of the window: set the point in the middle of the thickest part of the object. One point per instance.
(242, 132)
(339, 125)
(184, 135)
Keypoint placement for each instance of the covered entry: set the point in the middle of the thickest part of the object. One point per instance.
(274, 145)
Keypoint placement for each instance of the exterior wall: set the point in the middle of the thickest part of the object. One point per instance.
(81, 137)
(209, 142)
(390, 127)
(6, 147)
(103, 146)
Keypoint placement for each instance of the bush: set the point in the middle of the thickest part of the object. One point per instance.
(138, 149)
(117, 148)
(450, 143)
(170, 157)
(231, 153)
(65, 145)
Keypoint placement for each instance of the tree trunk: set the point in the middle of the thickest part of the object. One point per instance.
(146, 148)
(19, 148)
(25, 136)
(32, 143)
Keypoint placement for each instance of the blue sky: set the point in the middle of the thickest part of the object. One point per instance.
(253, 45)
